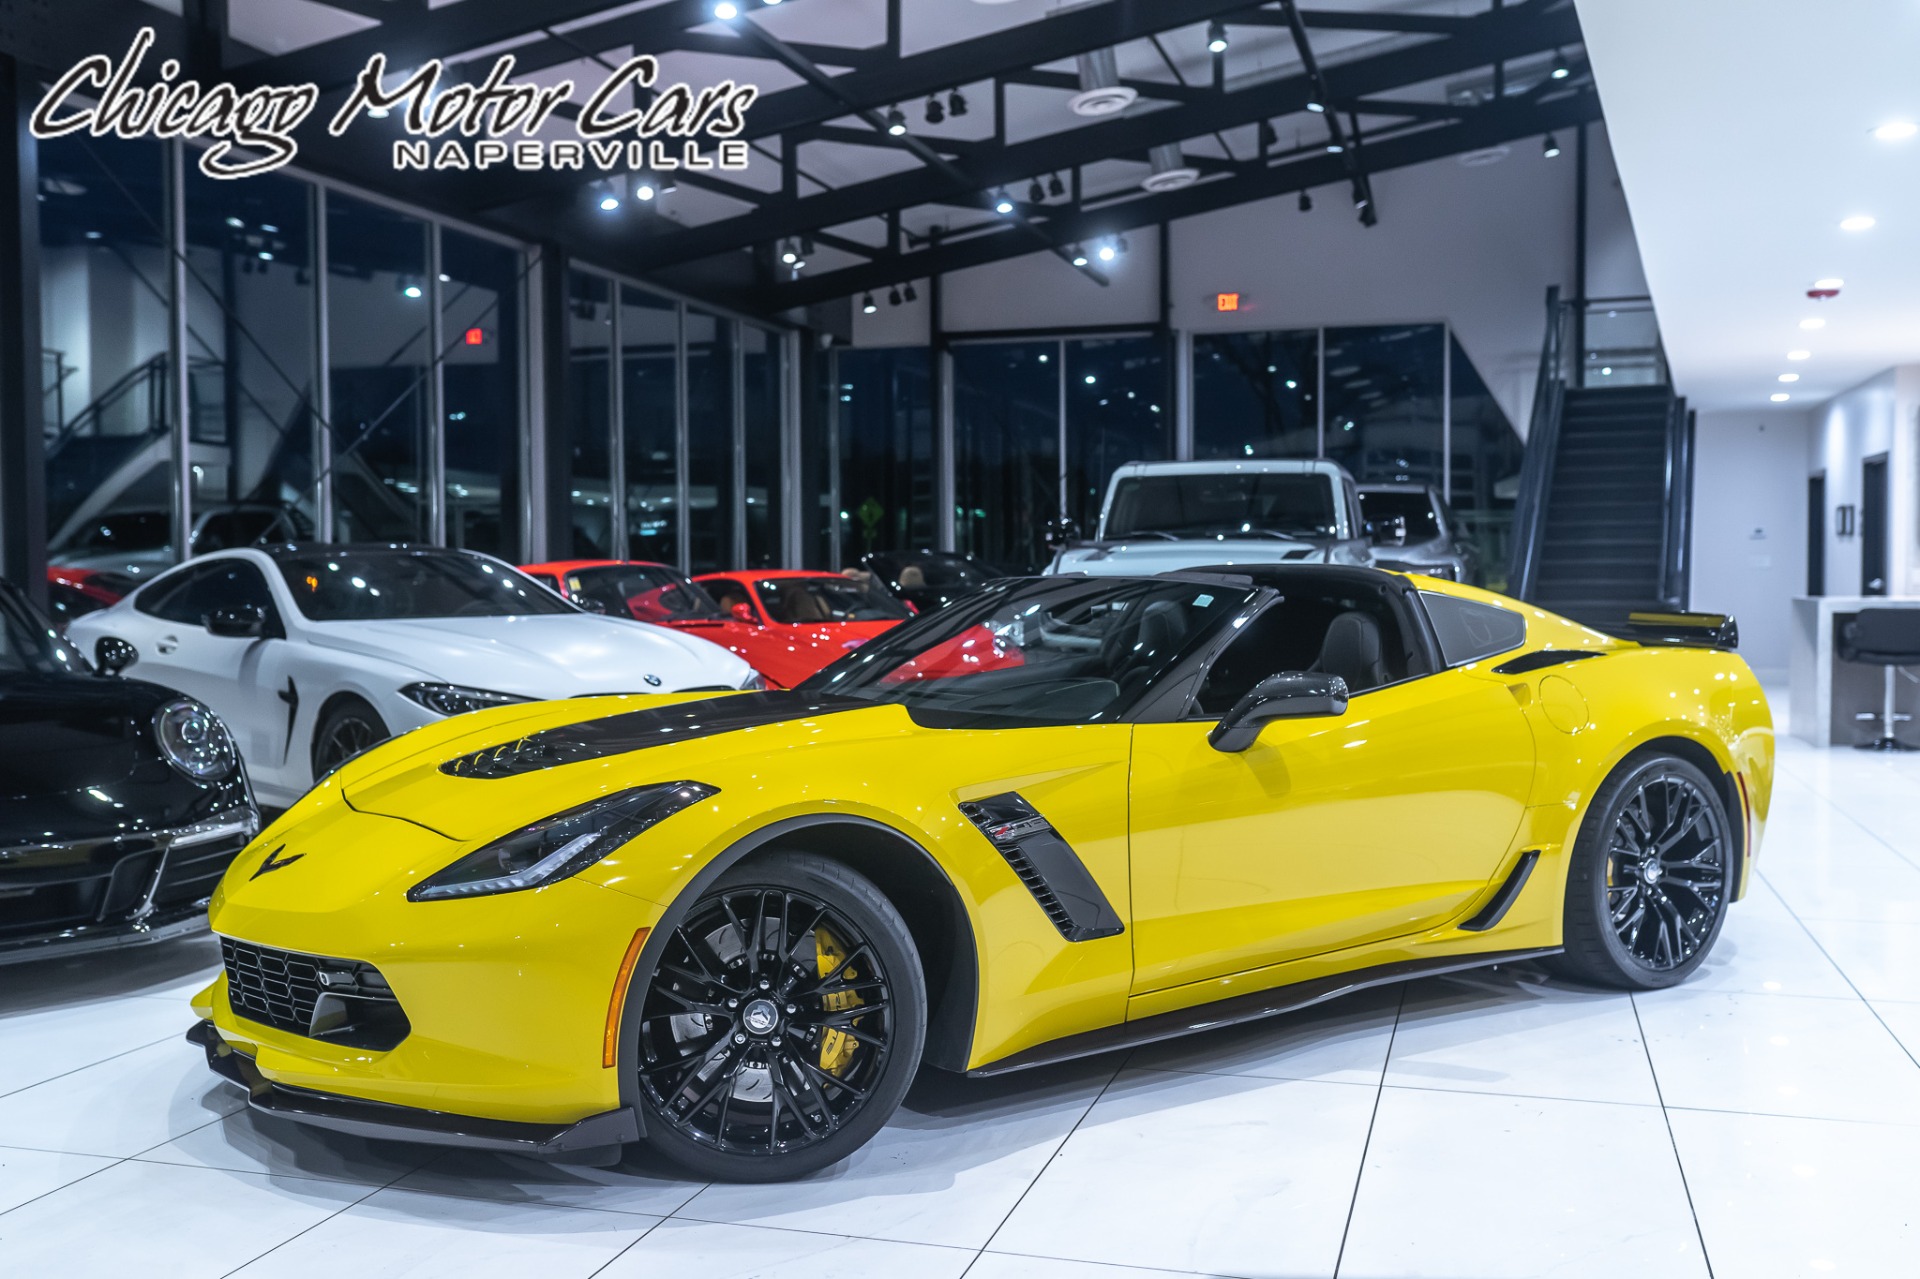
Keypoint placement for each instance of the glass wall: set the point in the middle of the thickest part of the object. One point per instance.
(1253, 394)
(379, 344)
(480, 374)
(1384, 388)
(1006, 446)
(710, 442)
(1119, 410)
(1485, 469)
(650, 373)
(763, 370)
(589, 416)
(105, 376)
(885, 436)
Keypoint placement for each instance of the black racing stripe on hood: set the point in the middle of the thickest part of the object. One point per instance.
(636, 730)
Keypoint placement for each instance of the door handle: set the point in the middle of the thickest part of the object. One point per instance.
(168, 643)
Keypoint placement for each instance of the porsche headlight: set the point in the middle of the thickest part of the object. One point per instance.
(562, 845)
(194, 741)
(454, 699)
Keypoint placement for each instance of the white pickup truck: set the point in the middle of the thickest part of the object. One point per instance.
(1161, 516)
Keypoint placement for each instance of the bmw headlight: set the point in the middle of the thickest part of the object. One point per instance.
(455, 699)
(562, 845)
(194, 741)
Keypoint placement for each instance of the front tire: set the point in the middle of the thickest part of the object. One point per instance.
(1651, 877)
(348, 727)
(783, 1023)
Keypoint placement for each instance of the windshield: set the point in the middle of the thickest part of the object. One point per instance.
(643, 592)
(801, 601)
(1224, 504)
(28, 645)
(347, 585)
(1038, 651)
(1411, 505)
(930, 568)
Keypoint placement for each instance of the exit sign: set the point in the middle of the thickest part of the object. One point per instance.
(1226, 301)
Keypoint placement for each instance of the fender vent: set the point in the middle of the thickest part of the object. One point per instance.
(1047, 865)
(1503, 898)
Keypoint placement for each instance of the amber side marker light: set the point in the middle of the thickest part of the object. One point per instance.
(610, 1047)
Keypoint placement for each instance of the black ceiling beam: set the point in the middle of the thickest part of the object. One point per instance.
(1050, 39)
(1145, 88)
(825, 55)
(1484, 126)
(1509, 32)
(1408, 110)
(1419, 23)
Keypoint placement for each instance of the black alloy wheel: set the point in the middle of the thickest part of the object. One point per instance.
(349, 727)
(1651, 877)
(782, 1024)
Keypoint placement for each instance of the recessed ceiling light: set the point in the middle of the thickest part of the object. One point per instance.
(1896, 130)
(1789, 377)
(1779, 397)
(1831, 282)
(1813, 322)
(1858, 222)
(1799, 355)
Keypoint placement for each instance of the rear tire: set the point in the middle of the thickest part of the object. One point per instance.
(762, 1062)
(1650, 879)
(347, 727)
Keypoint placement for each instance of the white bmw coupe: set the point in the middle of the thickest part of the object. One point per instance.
(312, 653)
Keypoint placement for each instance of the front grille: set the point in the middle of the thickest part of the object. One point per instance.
(193, 871)
(341, 1001)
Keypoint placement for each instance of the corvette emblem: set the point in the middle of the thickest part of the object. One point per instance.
(271, 864)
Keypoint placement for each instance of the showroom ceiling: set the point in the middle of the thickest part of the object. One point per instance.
(1745, 137)
(1016, 171)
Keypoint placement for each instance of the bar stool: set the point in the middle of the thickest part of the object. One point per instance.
(1888, 637)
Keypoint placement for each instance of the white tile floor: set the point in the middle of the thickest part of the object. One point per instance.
(1763, 1120)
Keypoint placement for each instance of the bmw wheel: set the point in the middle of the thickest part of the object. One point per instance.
(782, 1024)
(349, 727)
(1651, 877)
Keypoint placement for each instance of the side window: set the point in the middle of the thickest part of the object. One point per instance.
(206, 587)
(1469, 630)
(1354, 636)
(171, 598)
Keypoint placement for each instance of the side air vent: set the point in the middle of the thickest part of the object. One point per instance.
(1503, 898)
(1542, 658)
(1047, 865)
(341, 1001)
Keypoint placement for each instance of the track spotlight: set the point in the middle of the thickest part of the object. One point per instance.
(1268, 137)
(1121, 244)
(956, 104)
(1036, 194)
(1549, 148)
(1107, 253)
(1306, 202)
(893, 296)
(609, 196)
(1318, 108)
(868, 306)
(726, 10)
(789, 255)
(1001, 204)
(908, 293)
(1334, 148)
(668, 186)
(806, 247)
(645, 190)
(1079, 256)
(1560, 70)
(1216, 36)
(410, 290)
(1367, 216)
(935, 112)
(896, 122)
(1055, 187)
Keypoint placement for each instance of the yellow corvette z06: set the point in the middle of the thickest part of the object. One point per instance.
(1060, 816)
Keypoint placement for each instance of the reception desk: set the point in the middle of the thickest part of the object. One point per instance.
(1826, 692)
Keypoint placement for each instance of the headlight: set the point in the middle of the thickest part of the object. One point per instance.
(194, 741)
(562, 845)
(453, 699)
(755, 682)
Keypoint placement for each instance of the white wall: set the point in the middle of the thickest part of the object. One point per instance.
(1749, 526)
(1876, 417)
(1473, 246)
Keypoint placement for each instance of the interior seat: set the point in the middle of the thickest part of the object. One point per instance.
(1354, 650)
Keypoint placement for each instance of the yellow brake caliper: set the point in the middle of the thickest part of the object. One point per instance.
(836, 1047)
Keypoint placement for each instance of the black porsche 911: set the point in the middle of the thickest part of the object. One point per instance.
(121, 802)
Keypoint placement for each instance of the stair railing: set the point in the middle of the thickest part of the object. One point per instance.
(1543, 441)
(1676, 532)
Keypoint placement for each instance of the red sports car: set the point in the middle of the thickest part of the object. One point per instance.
(75, 592)
(655, 593)
(799, 620)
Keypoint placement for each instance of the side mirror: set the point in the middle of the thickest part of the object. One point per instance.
(1061, 532)
(247, 622)
(743, 612)
(1391, 531)
(112, 655)
(1291, 695)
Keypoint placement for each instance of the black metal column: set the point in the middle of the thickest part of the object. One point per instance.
(551, 428)
(23, 510)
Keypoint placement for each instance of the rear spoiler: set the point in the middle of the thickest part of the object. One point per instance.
(1686, 630)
